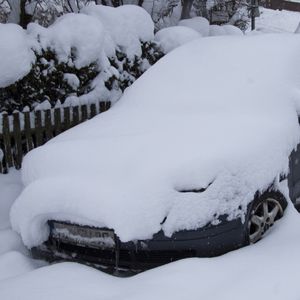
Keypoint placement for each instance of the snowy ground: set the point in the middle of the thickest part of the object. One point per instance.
(268, 270)
(277, 21)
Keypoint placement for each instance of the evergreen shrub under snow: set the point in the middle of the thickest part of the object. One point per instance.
(81, 58)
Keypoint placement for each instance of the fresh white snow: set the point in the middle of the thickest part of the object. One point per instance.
(10, 187)
(216, 30)
(199, 24)
(69, 32)
(127, 25)
(16, 56)
(173, 130)
(12, 259)
(172, 37)
(188, 30)
(271, 21)
(14, 263)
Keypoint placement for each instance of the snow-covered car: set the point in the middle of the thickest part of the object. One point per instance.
(192, 161)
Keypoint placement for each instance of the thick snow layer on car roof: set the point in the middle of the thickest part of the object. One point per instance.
(212, 113)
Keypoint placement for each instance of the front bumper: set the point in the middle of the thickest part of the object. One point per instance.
(140, 255)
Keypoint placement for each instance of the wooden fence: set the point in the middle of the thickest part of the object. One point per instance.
(282, 4)
(23, 131)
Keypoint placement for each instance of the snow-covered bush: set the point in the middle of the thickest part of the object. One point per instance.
(202, 26)
(216, 30)
(199, 24)
(16, 55)
(240, 18)
(86, 57)
(172, 37)
(188, 30)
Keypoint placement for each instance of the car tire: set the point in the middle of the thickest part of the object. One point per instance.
(263, 212)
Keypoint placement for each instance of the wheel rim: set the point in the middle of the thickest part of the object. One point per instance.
(263, 216)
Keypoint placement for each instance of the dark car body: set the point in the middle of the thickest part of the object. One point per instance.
(211, 240)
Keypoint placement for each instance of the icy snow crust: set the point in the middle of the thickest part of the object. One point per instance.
(203, 114)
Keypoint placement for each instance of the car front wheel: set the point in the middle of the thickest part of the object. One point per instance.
(265, 211)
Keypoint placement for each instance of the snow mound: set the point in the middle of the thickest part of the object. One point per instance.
(172, 37)
(232, 30)
(199, 118)
(13, 264)
(128, 25)
(16, 56)
(216, 30)
(10, 188)
(202, 26)
(10, 241)
(199, 24)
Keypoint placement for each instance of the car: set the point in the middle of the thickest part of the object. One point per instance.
(102, 248)
(198, 158)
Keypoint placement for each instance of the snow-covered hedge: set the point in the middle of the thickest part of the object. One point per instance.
(85, 57)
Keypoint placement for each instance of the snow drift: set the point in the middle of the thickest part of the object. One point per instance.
(204, 116)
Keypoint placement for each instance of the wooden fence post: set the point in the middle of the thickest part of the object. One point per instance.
(84, 114)
(7, 141)
(18, 140)
(38, 128)
(75, 120)
(67, 118)
(57, 121)
(102, 107)
(93, 110)
(27, 129)
(48, 125)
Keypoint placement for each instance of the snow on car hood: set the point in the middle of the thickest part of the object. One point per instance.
(218, 113)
